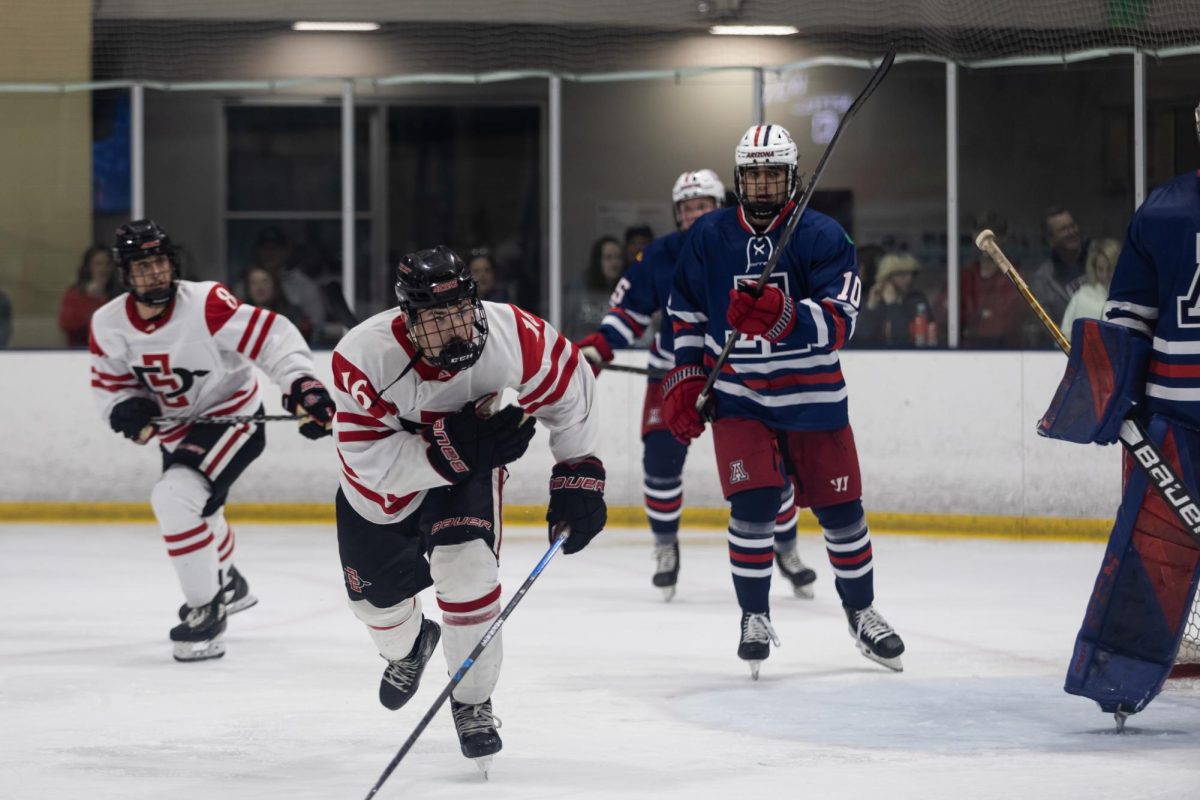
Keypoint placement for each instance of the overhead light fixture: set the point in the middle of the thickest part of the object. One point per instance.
(335, 26)
(753, 30)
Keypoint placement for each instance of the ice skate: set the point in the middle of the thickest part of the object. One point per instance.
(794, 570)
(666, 568)
(237, 595)
(756, 641)
(402, 676)
(875, 638)
(198, 637)
(477, 736)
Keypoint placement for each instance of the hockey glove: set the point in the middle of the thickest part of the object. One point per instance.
(466, 442)
(132, 418)
(309, 400)
(596, 350)
(577, 498)
(771, 315)
(681, 388)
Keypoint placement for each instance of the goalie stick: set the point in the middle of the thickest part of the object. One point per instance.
(881, 72)
(1133, 433)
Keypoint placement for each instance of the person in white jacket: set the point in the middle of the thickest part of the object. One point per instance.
(1088, 302)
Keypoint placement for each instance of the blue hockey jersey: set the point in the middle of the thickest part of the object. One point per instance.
(643, 290)
(792, 384)
(1156, 291)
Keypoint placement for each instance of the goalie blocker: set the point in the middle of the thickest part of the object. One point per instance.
(1139, 606)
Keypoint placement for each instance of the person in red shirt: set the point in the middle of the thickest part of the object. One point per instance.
(96, 284)
(991, 312)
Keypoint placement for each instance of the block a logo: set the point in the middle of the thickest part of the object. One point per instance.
(737, 472)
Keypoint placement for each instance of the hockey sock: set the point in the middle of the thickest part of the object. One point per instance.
(848, 542)
(662, 487)
(751, 540)
(468, 593)
(223, 536)
(178, 500)
(785, 521)
(394, 630)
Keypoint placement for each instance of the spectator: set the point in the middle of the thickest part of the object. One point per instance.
(263, 290)
(587, 302)
(895, 314)
(991, 312)
(1061, 274)
(96, 283)
(636, 237)
(483, 272)
(5, 320)
(1089, 301)
(273, 253)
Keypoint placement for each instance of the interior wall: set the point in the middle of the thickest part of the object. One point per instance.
(45, 163)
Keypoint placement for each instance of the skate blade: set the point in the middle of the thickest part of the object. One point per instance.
(804, 592)
(754, 667)
(248, 601)
(199, 651)
(668, 592)
(894, 664)
(484, 763)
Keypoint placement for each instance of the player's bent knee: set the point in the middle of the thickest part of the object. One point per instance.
(180, 490)
(843, 521)
(464, 572)
(755, 505)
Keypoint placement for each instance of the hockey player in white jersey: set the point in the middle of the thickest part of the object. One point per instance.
(184, 349)
(423, 470)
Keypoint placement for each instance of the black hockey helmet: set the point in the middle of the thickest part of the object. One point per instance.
(435, 279)
(143, 238)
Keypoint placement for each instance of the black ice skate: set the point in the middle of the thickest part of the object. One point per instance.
(403, 676)
(666, 568)
(875, 638)
(794, 570)
(757, 638)
(237, 595)
(477, 736)
(198, 637)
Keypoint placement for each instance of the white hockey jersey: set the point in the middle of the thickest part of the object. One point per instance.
(196, 359)
(384, 394)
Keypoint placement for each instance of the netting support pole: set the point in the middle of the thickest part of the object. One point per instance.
(1139, 128)
(760, 105)
(554, 193)
(348, 192)
(137, 151)
(952, 294)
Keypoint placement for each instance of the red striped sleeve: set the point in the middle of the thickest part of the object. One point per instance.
(839, 324)
(262, 336)
(358, 419)
(531, 336)
(219, 308)
(245, 340)
(353, 382)
(363, 436)
(551, 375)
(564, 380)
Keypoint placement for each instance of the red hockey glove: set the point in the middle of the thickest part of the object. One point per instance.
(310, 401)
(681, 387)
(596, 350)
(771, 315)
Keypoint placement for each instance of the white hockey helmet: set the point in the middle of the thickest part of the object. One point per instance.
(700, 183)
(766, 146)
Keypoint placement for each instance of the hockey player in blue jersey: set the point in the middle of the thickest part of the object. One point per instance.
(779, 414)
(1143, 359)
(642, 291)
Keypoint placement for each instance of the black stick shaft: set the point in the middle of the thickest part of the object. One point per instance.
(466, 665)
(633, 370)
(225, 420)
(732, 337)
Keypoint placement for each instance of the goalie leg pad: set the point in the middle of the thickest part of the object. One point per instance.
(1104, 380)
(1142, 597)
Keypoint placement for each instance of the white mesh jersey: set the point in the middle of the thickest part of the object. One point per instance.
(196, 359)
(385, 394)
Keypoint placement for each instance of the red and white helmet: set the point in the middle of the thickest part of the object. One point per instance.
(762, 146)
(690, 185)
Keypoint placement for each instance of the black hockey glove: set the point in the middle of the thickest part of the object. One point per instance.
(131, 417)
(465, 442)
(577, 498)
(309, 400)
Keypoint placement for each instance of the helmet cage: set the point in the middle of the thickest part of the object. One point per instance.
(138, 240)
(436, 281)
(765, 208)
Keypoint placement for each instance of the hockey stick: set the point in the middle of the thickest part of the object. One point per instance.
(631, 369)
(493, 629)
(1133, 434)
(731, 339)
(226, 420)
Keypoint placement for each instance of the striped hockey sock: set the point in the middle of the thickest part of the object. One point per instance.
(751, 546)
(664, 506)
(848, 543)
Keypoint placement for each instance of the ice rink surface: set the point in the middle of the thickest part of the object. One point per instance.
(606, 691)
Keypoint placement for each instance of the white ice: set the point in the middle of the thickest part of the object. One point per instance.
(606, 691)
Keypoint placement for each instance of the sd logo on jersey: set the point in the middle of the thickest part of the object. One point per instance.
(170, 384)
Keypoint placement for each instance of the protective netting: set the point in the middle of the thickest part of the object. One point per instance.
(1189, 649)
(226, 40)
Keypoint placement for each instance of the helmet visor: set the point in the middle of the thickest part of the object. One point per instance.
(450, 335)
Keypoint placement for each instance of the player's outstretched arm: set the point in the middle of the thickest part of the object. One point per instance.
(688, 317)
(632, 304)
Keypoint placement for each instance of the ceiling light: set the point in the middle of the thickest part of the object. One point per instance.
(753, 30)
(335, 26)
